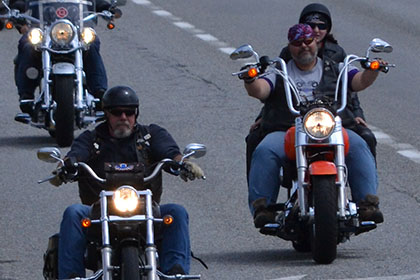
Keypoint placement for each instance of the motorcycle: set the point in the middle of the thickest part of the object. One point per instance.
(318, 213)
(61, 32)
(121, 228)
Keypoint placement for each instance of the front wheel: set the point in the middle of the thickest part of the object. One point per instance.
(130, 263)
(64, 113)
(324, 231)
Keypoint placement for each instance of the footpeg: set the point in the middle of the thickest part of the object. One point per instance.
(365, 227)
(270, 229)
(23, 118)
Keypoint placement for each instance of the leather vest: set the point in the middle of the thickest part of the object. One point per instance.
(276, 114)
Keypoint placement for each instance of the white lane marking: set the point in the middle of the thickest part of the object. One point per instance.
(207, 37)
(221, 46)
(227, 50)
(163, 13)
(405, 150)
(142, 2)
(184, 25)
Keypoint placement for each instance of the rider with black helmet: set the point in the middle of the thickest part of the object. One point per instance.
(121, 139)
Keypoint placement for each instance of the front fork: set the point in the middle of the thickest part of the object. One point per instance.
(302, 168)
(46, 82)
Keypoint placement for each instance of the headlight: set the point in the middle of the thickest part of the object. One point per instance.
(125, 199)
(62, 33)
(88, 35)
(35, 36)
(319, 123)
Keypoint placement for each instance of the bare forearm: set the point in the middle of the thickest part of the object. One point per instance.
(259, 89)
(364, 79)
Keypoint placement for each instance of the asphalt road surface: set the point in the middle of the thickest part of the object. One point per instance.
(175, 55)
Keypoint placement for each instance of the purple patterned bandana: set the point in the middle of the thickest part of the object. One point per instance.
(300, 31)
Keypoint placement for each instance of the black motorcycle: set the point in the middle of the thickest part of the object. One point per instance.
(121, 228)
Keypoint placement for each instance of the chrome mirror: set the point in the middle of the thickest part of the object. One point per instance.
(379, 45)
(244, 51)
(194, 150)
(49, 154)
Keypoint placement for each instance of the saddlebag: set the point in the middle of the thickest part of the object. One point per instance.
(50, 270)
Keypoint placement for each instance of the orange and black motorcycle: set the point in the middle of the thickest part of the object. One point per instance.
(318, 213)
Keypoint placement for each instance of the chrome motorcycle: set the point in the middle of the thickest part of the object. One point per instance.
(318, 213)
(122, 224)
(61, 32)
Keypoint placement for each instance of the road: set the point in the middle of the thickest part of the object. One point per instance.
(174, 54)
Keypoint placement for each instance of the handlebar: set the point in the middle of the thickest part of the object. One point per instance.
(258, 70)
(158, 168)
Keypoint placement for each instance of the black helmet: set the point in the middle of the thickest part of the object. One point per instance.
(316, 8)
(120, 96)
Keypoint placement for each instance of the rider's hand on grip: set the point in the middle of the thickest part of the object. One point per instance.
(116, 12)
(246, 74)
(191, 171)
(57, 179)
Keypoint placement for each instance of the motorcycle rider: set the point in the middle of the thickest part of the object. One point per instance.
(315, 76)
(121, 139)
(319, 18)
(28, 64)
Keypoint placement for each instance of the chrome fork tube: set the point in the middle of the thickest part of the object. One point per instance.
(150, 240)
(106, 246)
(341, 168)
(45, 83)
(78, 64)
(302, 165)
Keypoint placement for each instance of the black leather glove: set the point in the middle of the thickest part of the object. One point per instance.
(116, 12)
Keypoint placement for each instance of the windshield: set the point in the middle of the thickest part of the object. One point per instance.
(49, 11)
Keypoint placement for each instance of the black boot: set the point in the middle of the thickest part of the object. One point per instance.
(261, 215)
(369, 209)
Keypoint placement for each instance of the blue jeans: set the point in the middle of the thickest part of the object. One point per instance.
(175, 248)
(28, 58)
(269, 156)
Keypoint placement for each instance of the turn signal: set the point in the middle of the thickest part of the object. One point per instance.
(168, 219)
(374, 65)
(110, 25)
(252, 72)
(86, 222)
(9, 25)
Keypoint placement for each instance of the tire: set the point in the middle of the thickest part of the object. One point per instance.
(324, 231)
(130, 263)
(64, 114)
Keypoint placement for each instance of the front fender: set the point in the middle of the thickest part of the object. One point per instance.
(63, 68)
(322, 167)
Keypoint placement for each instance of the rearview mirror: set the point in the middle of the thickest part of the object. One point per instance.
(195, 150)
(379, 45)
(49, 154)
(244, 51)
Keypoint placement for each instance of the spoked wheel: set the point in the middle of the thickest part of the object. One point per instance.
(64, 113)
(130, 263)
(324, 231)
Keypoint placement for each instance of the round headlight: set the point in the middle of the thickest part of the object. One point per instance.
(125, 199)
(62, 33)
(88, 35)
(319, 123)
(35, 36)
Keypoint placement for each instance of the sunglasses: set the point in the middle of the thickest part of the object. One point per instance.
(298, 43)
(321, 26)
(119, 112)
